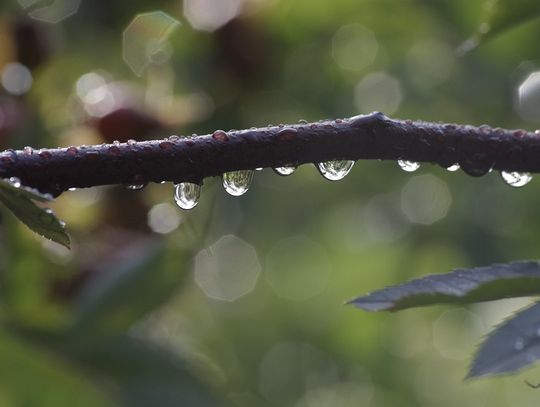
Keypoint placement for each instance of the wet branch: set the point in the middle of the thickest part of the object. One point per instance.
(373, 136)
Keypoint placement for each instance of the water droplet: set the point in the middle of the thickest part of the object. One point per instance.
(135, 187)
(335, 170)
(131, 142)
(409, 166)
(174, 137)
(259, 169)
(187, 194)
(519, 344)
(516, 179)
(453, 168)
(237, 183)
(302, 121)
(14, 181)
(220, 135)
(116, 142)
(45, 154)
(28, 150)
(72, 150)
(285, 170)
(72, 189)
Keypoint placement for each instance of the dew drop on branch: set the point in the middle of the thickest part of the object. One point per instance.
(453, 168)
(187, 194)
(335, 170)
(16, 182)
(409, 166)
(237, 183)
(135, 187)
(288, 170)
(516, 179)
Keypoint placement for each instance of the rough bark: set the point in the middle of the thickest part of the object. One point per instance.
(375, 136)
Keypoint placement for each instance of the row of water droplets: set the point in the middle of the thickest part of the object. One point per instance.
(237, 183)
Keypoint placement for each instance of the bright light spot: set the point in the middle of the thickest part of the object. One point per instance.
(290, 368)
(456, 332)
(95, 94)
(163, 218)
(16, 78)
(378, 91)
(430, 62)
(50, 12)
(354, 47)
(228, 269)
(145, 40)
(297, 268)
(528, 98)
(425, 199)
(209, 15)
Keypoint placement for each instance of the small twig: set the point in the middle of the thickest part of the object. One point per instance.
(476, 149)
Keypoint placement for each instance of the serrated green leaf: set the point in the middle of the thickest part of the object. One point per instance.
(144, 277)
(41, 220)
(511, 346)
(517, 279)
(14, 186)
(500, 16)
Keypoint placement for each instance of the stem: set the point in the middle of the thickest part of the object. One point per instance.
(373, 136)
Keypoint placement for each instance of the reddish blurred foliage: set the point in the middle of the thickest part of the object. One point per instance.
(127, 123)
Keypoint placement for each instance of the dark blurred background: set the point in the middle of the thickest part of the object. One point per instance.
(240, 301)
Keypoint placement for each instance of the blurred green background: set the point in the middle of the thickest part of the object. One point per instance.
(240, 301)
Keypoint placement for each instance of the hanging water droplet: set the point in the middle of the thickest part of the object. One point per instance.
(288, 170)
(135, 187)
(72, 189)
(237, 183)
(516, 179)
(187, 194)
(259, 169)
(519, 344)
(409, 166)
(335, 170)
(453, 168)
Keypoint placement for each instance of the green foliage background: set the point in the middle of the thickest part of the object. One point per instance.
(120, 320)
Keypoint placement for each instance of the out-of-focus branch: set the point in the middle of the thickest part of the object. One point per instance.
(373, 136)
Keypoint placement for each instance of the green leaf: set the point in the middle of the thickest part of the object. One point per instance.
(511, 346)
(517, 279)
(41, 220)
(31, 376)
(500, 16)
(14, 185)
(139, 281)
(143, 374)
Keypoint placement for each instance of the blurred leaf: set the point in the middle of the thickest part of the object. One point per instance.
(41, 220)
(30, 376)
(143, 374)
(126, 290)
(502, 15)
(511, 346)
(517, 279)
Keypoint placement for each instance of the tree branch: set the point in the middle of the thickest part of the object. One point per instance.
(373, 136)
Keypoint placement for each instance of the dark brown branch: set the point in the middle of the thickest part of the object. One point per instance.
(373, 136)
